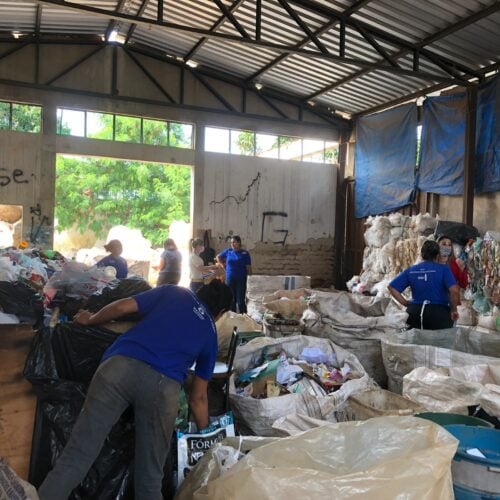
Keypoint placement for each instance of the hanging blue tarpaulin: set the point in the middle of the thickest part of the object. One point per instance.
(386, 148)
(487, 178)
(442, 147)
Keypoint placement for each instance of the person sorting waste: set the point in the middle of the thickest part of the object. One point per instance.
(114, 259)
(144, 368)
(435, 293)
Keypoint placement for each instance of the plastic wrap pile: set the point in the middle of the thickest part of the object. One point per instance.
(482, 297)
(392, 244)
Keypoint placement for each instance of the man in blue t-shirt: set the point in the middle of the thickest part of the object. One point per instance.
(238, 266)
(144, 368)
(435, 293)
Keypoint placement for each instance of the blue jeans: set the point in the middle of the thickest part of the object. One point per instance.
(239, 288)
(118, 383)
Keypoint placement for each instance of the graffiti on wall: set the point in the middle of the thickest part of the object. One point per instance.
(283, 232)
(239, 199)
(40, 229)
(15, 176)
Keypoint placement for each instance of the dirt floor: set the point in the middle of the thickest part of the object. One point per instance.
(17, 400)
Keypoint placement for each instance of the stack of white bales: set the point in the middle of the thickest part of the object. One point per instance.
(393, 243)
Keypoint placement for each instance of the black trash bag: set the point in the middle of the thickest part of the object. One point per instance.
(110, 477)
(61, 363)
(20, 299)
(458, 232)
(40, 367)
(68, 306)
(68, 352)
(208, 254)
(126, 288)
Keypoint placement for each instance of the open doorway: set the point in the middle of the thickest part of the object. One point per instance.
(11, 225)
(94, 195)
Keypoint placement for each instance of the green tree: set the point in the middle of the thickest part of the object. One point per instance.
(246, 143)
(98, 193)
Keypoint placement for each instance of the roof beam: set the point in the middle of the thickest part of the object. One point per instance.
(214, 27)
(77, 63)
(418, 51)
(282, 48)
(214, 92)
(326, 27)
(273, 106)
(419, 93)
(38, 20)
(312, 37)
(140, 12)
(371, 40)
(153, 80)
(227, 13)
(112, 23)
(244, 85)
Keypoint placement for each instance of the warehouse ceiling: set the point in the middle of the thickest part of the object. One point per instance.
(343, 56)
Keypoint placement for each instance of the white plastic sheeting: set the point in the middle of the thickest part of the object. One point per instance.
(453, 389)
(450, 348)
(387, 457)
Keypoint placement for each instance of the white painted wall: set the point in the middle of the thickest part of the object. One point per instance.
(24, 182)
(305, 191)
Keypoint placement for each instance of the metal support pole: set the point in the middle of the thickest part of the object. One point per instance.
(469, 156)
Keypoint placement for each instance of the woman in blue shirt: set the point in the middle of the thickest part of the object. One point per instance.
(238, 266)
(435, 293)
(114, 259)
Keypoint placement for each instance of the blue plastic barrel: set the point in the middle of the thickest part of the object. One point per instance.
(474, 477)
(445, 419)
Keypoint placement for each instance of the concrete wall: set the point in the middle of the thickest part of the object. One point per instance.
(306, 192)
(237, 191)
(24, 182)
(486, 210)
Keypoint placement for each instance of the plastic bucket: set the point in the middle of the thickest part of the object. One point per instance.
(476, 477)
(454, 419)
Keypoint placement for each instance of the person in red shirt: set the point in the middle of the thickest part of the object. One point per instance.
(457, 266)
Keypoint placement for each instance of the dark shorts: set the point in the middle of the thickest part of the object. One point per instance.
(436, 317)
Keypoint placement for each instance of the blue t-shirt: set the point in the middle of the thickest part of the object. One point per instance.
(119, 263)
(428, 281)
(236, 262)
(175, 332)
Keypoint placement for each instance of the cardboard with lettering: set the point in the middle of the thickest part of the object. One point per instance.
(191, 446)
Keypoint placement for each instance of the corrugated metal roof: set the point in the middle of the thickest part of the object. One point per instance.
(298, 52)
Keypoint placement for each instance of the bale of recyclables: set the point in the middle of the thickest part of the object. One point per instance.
(261, 286)
(385, 457)
(356, 323)
(453, 347)
(454, 389)
(258, 415)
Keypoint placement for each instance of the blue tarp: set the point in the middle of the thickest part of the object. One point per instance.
(386, 148)
(443, 145)
(487, 178)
